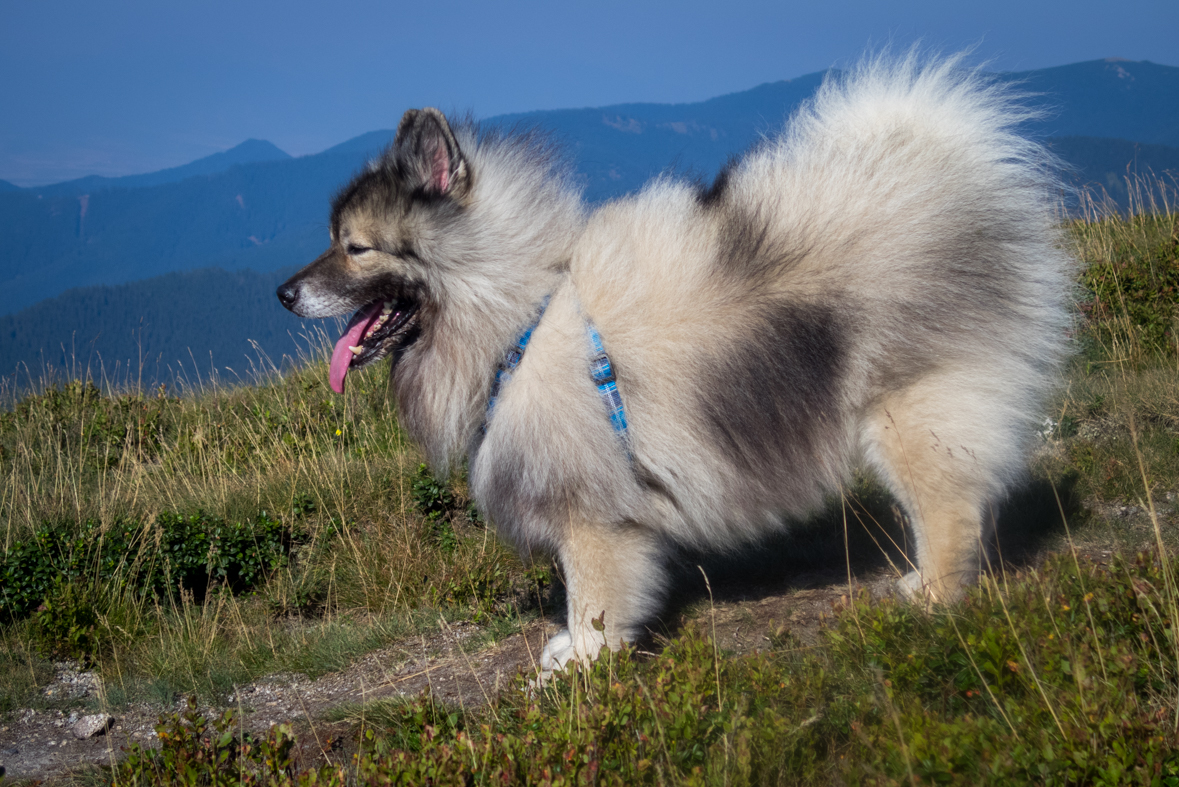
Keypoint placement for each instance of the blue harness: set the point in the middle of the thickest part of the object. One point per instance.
(601, 372)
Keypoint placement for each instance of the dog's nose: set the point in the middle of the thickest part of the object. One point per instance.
(287, 295)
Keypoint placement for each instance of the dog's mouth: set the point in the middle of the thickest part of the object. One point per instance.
(373, 332)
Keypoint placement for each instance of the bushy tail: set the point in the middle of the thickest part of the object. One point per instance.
(910, 181)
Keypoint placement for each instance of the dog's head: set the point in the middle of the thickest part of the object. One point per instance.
(384, 228)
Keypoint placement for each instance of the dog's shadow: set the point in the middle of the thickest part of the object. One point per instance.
(859, 534)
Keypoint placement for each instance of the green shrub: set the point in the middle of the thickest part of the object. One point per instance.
(194, 751)
(67, 621)
(28, 570)
(387, 726)
(432, 498)
(1134, 284)
(201, 551)
(193, 553)
(435, 501)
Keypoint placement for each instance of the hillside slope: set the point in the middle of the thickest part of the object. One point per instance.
(183, 324)
(252, 151)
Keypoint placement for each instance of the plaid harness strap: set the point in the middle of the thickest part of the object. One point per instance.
(601, 372)
(512, 358)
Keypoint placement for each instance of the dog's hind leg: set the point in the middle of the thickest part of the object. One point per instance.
(614, 576)
(945, 453)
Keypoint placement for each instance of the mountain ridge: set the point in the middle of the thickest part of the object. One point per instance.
(252, 151)
(374, 141)
(264, 216)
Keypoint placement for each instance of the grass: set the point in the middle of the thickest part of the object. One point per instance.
(1063, 675)
(1062, 670)
(1116, 427)
(334, 474)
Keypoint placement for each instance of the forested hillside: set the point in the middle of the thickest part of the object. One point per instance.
(1108, 163)
(180, 325)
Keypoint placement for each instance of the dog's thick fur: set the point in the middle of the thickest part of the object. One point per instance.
(884, 283)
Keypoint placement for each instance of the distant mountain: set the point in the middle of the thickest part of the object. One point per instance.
(182, 324)
(1114, 98)
(365, 146)
(619, 148)
(260, 216)
(6, 186)
(1109, 163)
(1101, 117)
(252, 151)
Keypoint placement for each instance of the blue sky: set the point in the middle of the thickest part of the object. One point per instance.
(124, 86)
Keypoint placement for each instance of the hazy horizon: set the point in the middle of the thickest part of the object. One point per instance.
(138, 87)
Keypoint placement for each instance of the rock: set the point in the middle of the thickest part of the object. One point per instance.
(89, 726)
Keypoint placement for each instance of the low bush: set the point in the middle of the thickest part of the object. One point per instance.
(68, 576)
(196, 751)
(1131, 281)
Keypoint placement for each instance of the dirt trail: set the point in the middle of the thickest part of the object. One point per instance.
(39, 744)
(745, 601)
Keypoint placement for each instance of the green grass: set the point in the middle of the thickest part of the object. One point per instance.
(101, 486)
(1062, 672)
(1064, 675)
(22, 673)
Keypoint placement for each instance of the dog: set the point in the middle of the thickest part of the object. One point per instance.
(882, 285)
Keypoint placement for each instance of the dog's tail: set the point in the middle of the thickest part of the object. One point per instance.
(925, 167)
(893, 121)
(911, 186)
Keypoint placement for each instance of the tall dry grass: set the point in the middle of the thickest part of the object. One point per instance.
(86, 455)
(1119, 402)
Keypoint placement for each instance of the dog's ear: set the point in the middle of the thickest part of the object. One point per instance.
(428, 154)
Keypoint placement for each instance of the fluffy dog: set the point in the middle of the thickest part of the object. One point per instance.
(883, 284)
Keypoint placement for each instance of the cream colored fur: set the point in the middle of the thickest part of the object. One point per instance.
(867, 184)
(883, 284)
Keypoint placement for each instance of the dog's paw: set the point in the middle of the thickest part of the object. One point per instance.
(557, 652)
(912, 587)
(915, 588)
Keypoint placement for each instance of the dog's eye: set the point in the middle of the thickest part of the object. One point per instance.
(355, 250)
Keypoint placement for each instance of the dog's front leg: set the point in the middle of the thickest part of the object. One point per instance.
(614, 578)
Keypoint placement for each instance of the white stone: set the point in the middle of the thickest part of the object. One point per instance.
(89, 726)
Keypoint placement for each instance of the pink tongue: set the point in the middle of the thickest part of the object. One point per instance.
(342, 356)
